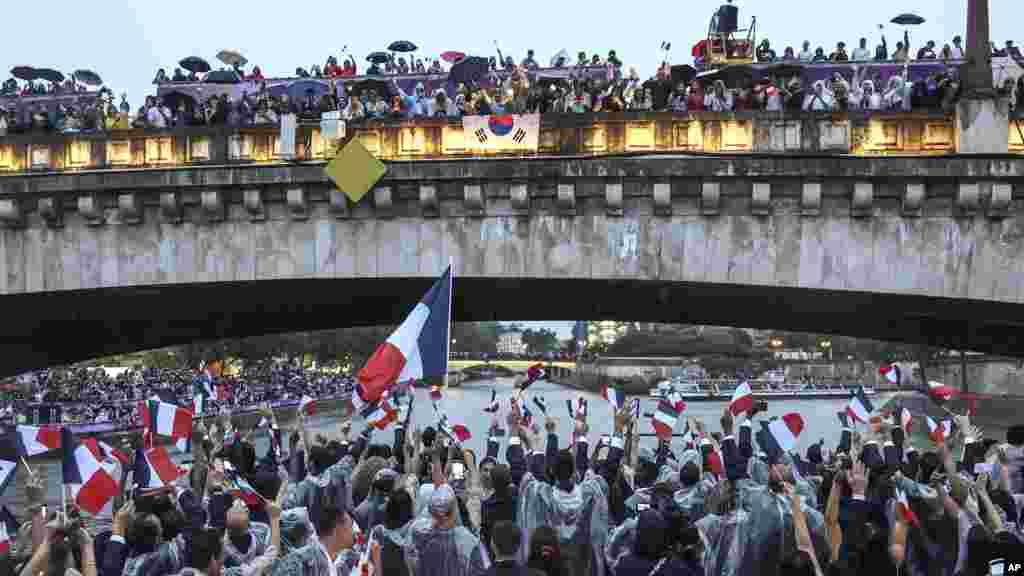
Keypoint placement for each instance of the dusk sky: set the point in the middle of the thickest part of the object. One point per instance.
(127, 41)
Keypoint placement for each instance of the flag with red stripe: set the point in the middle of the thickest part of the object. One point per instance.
(154, 468)
(742, 399)
(92, 486)
(35, 440)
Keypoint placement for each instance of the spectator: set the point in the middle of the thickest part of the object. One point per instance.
(958, 49)
(840, 54)
(947, 53)
(179, 76)
(861, 52)
(505, 547)
(819, 55)
(788, 55)
(529, 62)
(927, 52)
(820, 99)
(805, 53)
(161, 77)
(765, 52)
(1012, 51)
(545, 554)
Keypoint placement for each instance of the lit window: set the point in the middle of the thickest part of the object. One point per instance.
(412, 140)
(6, 158)
(158, 150)
(640, 136)
(453, 140)
(275, 146)
(79, 153)
(39, 156)
(240, 147)
(199, 148)
(119, 152)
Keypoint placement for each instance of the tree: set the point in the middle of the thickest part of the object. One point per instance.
(540, 341)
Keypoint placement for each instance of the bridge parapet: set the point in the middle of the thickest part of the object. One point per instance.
(875, 134)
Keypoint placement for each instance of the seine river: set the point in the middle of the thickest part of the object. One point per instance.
(465, 405)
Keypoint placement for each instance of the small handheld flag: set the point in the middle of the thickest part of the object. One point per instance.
(860, 407)
(906, 420)
(742, 400)
(904, 510)
(935, 431)
(614, 396)
(307, 405)
(534, 374)
(891, 372)
(435, 393)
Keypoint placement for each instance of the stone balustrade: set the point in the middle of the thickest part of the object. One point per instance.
(561, 135)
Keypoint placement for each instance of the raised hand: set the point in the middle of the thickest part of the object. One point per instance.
(858, 479)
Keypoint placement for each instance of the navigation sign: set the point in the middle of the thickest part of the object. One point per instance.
(355, 171)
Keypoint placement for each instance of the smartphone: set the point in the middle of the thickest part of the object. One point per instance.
(458, 471)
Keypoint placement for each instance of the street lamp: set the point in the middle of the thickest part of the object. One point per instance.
(827, 345)
(775, 343)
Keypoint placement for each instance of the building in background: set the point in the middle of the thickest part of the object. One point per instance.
(511, 343)
(606, 331)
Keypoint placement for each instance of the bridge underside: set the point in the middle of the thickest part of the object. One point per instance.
(57, 328)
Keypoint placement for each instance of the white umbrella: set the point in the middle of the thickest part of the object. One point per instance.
(232, 57)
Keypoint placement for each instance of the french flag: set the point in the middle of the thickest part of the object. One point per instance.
(435, 393)
(8, 530)
(460, 433)
(783, 434)
(92, 486)
(906, 420)
(35, 440)
(904, 510)
(534, 374)
(936, 431)
(940, 393)
(169, 420)
(860, 407)
(383, 414)
(8, 459)
(417, 349)
(614, 396)
(307, 405)
(891, 372)
(742, 399)
(665, 417)
(154, 468)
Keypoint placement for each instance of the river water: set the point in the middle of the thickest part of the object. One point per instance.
(465, 405)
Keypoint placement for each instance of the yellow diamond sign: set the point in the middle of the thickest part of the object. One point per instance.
(354, 170)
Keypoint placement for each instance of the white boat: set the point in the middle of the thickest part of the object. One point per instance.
(722, 390)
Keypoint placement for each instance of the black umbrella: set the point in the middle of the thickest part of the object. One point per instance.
(731, 75)
(379, 86)
(173, 99)
(222, 77)
(683, 73)
(26, 73)
(908, 20)
(402, 46)
(469, 70)
(49, 75)
(88, 77)
(378, 57)
(195, 64)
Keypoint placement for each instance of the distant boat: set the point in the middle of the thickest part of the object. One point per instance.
(722, 390)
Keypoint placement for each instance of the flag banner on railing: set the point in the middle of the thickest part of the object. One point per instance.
(497, 134)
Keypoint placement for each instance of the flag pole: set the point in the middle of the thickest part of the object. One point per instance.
(27, 467)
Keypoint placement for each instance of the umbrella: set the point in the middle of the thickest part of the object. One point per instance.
(562, 55)
(378, 57)
(232, 58)
(452, 56)
(26, 73)
(683, 73)
(731, 75)
(195, 64)
(379, 86)
(222, 77)
(300, 88)
(469, 70)
(402, 46)
(49, 75)
(908, 20)
(173, 99)
(88, 77)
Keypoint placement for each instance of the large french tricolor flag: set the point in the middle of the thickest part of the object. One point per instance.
(92, 486)
(169, 419)
(35, 440)
(8, 530)
(416, 350)
(782, 435)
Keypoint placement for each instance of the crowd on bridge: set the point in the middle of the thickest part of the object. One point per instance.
(96, 395)
(401, 86)
(731, 498)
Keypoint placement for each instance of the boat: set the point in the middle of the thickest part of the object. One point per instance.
(721, 390)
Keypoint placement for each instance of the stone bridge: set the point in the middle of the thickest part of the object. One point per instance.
(914, 248)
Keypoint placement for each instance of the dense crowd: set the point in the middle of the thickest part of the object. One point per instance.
(93, 395)
(727, 501)
(508, 87)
